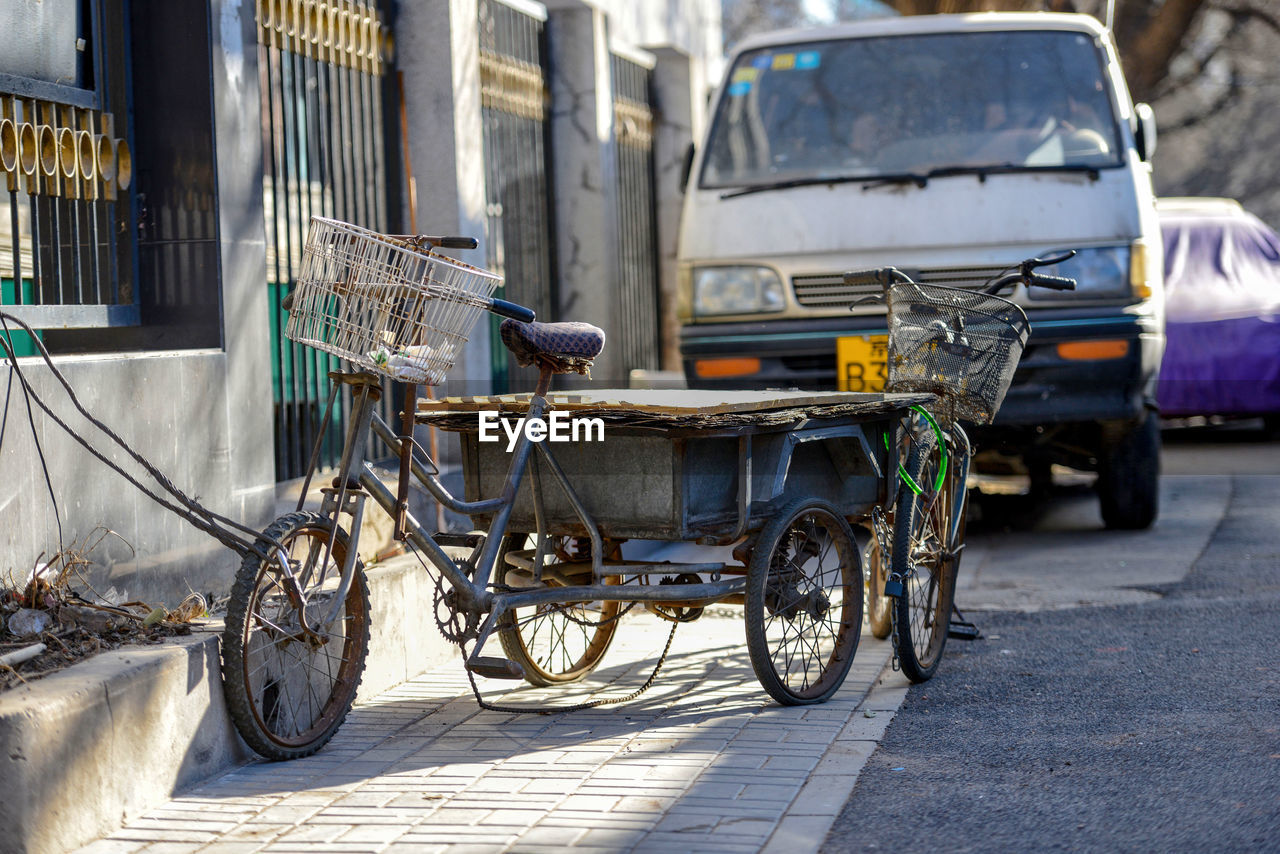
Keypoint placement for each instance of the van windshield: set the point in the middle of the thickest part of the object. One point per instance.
(913, 106)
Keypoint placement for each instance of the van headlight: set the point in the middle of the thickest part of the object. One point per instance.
(1100, 273)
(736, 290)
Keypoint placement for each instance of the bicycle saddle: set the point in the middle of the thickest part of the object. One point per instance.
(563, 347)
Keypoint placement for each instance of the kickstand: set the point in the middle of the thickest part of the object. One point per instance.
(960, 628)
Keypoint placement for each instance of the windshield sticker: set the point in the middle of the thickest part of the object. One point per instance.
(748, 75)
(762, 61)
(784, 61)
(808, 59)
(740, 88)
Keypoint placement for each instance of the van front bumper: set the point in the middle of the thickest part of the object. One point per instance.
(1048, 388)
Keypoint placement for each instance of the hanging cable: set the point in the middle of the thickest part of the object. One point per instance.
(192, 511)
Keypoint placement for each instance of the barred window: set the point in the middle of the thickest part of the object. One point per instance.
(66, 165)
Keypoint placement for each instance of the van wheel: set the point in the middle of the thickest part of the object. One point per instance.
(1129, 475)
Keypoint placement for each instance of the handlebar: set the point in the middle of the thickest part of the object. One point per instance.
(454, 242)
(435, 242)
(511, 310)
(1036, 280)
(1056, 283)
(884, 277)
(499, 307)
(1032, 263)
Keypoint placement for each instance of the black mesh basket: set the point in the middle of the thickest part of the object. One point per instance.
(960, 345)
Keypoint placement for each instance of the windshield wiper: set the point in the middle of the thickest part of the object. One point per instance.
(921, 179)
(794, 182)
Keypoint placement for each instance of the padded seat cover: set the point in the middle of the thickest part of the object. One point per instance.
(557, 341)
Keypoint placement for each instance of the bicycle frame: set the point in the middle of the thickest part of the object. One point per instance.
(348, 494)
(953, 444)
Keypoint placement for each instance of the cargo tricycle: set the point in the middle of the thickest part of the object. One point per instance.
(780, 478)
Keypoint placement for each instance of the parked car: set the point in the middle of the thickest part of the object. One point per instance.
(1222, 292)
(950, 146)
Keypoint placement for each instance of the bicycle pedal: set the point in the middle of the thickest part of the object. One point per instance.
(893, 588)
(963, 631)
(462, 541)
(495, 668)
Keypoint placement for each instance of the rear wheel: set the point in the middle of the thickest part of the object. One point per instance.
(879, 606)
(924, 558)
(804, 603)
(1129, 477)
(555, 643)
(288, 691)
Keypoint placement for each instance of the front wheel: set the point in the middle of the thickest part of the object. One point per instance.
(288, 690)
(1129, 477)
(925, 559)
(804, 603)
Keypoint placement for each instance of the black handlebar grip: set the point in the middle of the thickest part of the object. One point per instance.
(421, 240)
(454, 242)
(1057, 283)
(512, 310)
(880, 277)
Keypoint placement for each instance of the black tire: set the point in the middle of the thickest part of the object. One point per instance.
(879, 606)
(287, 695)
(555, 644)
(1129, 477)
(925, 560)
(804, 616)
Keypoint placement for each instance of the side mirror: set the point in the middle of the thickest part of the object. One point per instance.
(1144, 135)
(686, 168)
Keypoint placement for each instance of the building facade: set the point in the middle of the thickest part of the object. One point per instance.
(162, 160)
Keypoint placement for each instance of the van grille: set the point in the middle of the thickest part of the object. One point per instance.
(828, 290)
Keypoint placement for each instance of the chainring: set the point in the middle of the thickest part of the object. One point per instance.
(677, 614)
(457, 626)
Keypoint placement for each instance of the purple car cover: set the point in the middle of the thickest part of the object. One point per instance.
(1222, 292)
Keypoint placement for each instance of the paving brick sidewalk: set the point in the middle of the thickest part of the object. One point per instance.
(702, 762)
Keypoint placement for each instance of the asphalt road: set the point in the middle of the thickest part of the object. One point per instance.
(1148, 723)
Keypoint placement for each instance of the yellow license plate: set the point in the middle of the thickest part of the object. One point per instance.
(862, 362)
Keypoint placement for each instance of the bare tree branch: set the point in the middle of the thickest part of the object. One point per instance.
(1248, 10)
(1146, 58)
(1169, 86)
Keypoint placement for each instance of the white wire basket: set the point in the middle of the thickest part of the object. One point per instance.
(385, 303)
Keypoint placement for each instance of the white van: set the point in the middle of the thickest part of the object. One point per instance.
(951, 147)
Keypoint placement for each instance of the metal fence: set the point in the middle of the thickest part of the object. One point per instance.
(514, 100)
(321, 69)
(66, 167)
(638, 324)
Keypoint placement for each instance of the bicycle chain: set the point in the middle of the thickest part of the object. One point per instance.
(459, 634)
(578, 707)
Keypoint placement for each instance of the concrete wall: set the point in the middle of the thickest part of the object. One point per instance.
(173, 408)
(438, 52)
(242, 229)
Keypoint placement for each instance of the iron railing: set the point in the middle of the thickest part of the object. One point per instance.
(325, 153)
(638, 326)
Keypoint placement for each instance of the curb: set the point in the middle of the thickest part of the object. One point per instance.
(84, 750)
